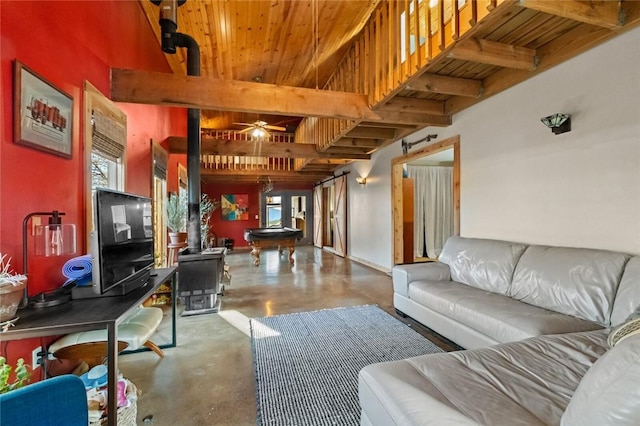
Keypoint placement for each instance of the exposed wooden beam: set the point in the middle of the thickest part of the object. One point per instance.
(155, 88)
(387, 125)
(178, 145)
(395, 117)
(346, 152)
(371, 133)
(404, 104)
(433, 83)
(358, 142)
(494, 53)
(578, 40)
(600, 13)
(227, 175)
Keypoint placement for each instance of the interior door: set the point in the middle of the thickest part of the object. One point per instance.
(317, 216)
(340, 216)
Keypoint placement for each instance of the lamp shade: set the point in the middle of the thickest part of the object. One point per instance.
(55, 240)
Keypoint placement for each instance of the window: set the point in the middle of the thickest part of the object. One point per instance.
(105, 138)
(108, 142)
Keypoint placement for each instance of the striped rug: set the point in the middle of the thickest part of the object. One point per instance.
(306, 364)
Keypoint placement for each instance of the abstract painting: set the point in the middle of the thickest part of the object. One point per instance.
(235, 207)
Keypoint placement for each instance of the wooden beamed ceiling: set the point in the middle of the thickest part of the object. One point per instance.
(476, 51)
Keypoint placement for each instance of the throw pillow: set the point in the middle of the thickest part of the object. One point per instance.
(625, 330)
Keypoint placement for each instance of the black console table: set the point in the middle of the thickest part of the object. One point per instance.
(93, 314)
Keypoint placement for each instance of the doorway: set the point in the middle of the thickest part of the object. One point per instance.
(330, 207)
(292, 209)
(402, 241)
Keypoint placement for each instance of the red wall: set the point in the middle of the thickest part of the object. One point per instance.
(68, 42)
(235, 229)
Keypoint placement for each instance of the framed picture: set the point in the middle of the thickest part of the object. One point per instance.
(235, 207)
(42, 113)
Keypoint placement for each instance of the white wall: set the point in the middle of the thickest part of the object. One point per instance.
(519, 181)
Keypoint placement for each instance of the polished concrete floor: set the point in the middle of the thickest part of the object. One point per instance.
(208, 378)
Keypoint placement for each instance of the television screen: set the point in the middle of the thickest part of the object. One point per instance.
(123, 241)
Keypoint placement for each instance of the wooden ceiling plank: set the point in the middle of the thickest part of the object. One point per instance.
(494, 53)
(425, 106)
(199, 92)
(433, 83)
(604, 14)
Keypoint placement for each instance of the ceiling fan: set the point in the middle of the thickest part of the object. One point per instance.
(260, 128)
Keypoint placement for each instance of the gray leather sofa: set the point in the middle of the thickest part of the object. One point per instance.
(484, 292)
(538, 319)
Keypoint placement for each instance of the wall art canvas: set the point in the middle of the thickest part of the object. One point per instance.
(42, 113)
(235, 207)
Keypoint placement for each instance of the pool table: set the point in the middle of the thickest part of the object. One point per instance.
(261, 238)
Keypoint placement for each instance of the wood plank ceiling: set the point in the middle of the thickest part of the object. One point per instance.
(277, 60)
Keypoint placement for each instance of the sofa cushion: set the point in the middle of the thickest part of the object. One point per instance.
(481, 263)
(609, 393)
(573, 281)
(627, 300)
(521, 383)
(500, 317)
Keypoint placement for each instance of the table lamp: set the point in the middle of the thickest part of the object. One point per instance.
(53, 239)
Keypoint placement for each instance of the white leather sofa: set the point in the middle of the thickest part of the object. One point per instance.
(537, 320)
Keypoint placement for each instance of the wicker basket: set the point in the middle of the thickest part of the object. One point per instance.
(126, 415)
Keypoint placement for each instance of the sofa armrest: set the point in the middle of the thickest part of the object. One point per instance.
(403, 275)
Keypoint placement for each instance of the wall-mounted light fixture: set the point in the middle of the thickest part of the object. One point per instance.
(558, 123)
(361, 180)
(54, 239)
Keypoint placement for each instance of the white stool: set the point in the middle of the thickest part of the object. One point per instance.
(91, 346)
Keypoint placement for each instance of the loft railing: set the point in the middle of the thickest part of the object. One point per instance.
(397, 43)
(239, 163)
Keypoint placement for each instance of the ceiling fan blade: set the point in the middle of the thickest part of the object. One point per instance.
(270, 127)
(244, 124)
(247, 130)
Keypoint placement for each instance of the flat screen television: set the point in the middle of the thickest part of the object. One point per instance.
(121, 244)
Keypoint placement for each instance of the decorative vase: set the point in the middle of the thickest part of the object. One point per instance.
(10, 298)
(177, 237)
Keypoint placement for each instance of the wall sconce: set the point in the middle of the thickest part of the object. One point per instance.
(361, 180)
(54, 239)
(558, 123)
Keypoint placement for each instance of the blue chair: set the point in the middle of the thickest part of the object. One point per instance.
(59, 401)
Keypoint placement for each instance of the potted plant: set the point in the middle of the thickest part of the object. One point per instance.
(22, 376)
(177, 210)
(12, 287)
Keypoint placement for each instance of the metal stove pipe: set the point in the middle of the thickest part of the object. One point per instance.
(170, 40)
(194, 238)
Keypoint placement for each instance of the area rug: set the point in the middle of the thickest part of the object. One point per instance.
(306, 364)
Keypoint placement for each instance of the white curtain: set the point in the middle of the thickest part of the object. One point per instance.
(433, 208)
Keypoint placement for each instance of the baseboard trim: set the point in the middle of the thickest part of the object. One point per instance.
(369, 264)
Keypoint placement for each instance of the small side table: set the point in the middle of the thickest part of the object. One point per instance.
(172, 256)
